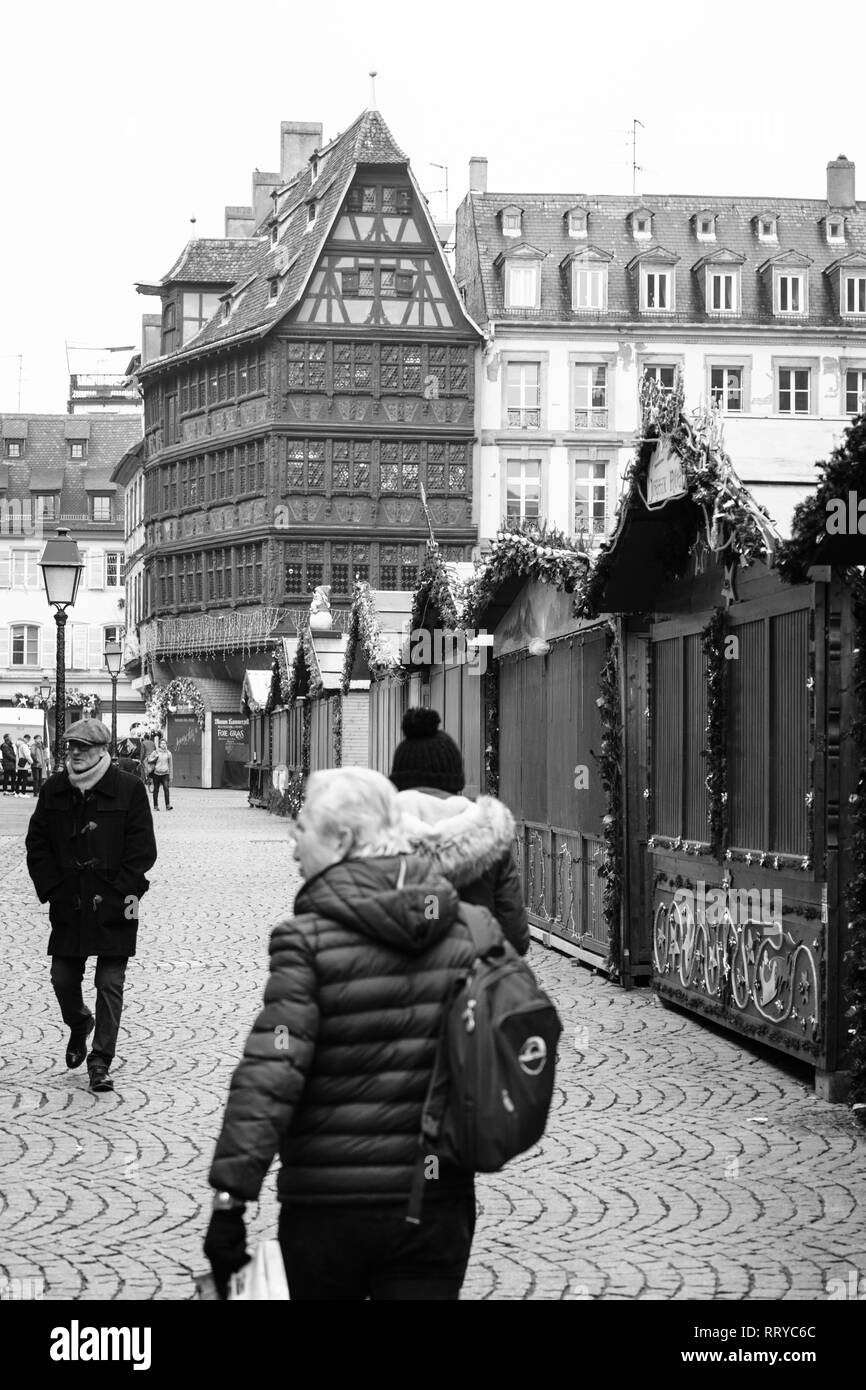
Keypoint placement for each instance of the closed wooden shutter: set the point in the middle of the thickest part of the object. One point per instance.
(695, 825)
(79, 646)
(747, 743)
(96, 653)
(96, 569)
(667, 759)
(510, 724)
(789, 732)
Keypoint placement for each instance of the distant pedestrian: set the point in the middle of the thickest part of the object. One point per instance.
(147, 747)
(25, 763)
(160, 764)
(471, 843)
(10, 765)
(89, 845)
(338, 1063)
(40, 764)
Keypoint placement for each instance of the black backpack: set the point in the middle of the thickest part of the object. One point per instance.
(492, 1081)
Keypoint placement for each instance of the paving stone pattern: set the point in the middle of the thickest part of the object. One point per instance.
(678, 1163)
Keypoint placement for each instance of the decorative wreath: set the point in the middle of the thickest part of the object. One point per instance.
(181, 691)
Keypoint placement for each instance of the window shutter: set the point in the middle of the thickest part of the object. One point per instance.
(96, 657)
(5, 654)
(5, 570)
(96, 569)
(79, 646)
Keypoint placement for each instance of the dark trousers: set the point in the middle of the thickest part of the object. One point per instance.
(67, 972)
(37, 779)
(160, 779)
(22, 779)
(10, 777)
(371, 1251)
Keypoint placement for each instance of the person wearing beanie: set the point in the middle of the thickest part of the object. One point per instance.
(470, 843)
(89, 844)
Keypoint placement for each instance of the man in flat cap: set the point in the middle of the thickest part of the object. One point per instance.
(89, 845)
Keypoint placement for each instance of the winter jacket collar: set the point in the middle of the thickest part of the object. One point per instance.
(106, 786)
(363, 894)
(464, 838)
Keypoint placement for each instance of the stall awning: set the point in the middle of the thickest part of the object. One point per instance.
(255, 690)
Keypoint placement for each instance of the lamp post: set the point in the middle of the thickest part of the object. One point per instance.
(61, 566)
(113, 661)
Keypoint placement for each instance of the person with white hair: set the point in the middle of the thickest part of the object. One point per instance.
(337, 1066)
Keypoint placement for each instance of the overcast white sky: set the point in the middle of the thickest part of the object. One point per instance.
(120, 123)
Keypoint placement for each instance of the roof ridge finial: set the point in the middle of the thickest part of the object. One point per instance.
(373, 75)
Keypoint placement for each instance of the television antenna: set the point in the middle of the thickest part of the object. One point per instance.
(635, 167)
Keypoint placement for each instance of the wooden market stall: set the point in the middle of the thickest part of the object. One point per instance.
(379, 624)
(738, 701)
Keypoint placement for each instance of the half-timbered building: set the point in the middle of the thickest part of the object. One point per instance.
(311, 429)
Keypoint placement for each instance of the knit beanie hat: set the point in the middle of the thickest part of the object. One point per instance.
(427, 757)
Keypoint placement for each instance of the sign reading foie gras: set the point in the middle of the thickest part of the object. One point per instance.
(665, 477)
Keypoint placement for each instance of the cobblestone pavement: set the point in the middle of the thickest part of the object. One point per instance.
(677, 1163)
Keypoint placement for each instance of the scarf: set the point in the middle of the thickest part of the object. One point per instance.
(85, 780)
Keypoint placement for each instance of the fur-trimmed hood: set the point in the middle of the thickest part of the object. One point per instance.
(462, 839)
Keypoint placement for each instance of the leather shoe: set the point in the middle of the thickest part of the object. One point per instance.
(76, 1048)
(100, 1080)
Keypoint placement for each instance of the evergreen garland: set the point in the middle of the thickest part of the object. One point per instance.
(609, 762)
(436, 589)
(364, 627)
(180, 691)
(855, 956)
(737, 528)
(713, 643)
(530, 549)
(844, 472)
(338, 729)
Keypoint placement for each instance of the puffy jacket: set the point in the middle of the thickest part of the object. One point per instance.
(337, 1065)
(88, 856)
(470, 843)
(8, 754)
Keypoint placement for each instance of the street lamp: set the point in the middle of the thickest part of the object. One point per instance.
(114, 661)
(61, 566)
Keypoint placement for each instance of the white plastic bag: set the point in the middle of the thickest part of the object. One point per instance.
(263, 1278)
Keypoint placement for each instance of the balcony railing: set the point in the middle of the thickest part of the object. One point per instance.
(595, 419)
(524, 419)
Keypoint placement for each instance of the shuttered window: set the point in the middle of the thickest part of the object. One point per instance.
(679, 787)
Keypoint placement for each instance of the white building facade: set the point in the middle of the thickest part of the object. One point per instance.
(761, 306)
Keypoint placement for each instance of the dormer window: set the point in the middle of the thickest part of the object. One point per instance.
(312, 213)
(512, 221)
(705, 226)
(520, 267)
(275, 233)
(15, 448)
(642, 224)
(790, 283)
(576, 222)
(273, 287)
(835, 230)
(721, 273)
(767, 226)
(77, 450)
(587, 270)
(314, 169)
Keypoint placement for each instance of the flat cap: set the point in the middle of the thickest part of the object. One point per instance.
(88, 731)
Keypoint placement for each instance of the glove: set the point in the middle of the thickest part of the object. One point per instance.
(225, 1246)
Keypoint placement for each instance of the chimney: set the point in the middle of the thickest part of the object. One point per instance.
(263, 187)
(298, 140)
(239, 222)
(478, 174)
(840, 183)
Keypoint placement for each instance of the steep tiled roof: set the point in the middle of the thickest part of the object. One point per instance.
(213, 261)
(800, 229)
(367, 142)
(46, 466)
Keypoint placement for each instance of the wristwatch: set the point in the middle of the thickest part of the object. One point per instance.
(224, 1201)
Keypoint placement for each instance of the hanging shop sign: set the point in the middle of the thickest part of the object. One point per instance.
(665, 477)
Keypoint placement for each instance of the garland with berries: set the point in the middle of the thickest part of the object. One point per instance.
(855, 956)
(716, 751)
(609, 762)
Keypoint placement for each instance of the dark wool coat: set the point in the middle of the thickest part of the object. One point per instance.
(336, 1068)
(8, 754)
(87, 857)
(471, 844)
